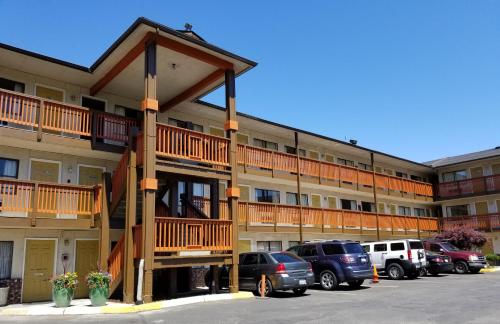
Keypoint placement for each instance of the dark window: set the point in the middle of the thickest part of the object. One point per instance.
(435, 247)
(308, 251)
(353, 248)
(416, 245)
(251, 259)
(397, 246)
(459, 210)
(265, 144)
(379, 247)
(6, 249)
(406, 211)
(454, 176)
(401, 175)
(366, 248)
(11, 85)
(262, 259)
(293, 150)
(348, 204)
(416, 178)
(285, 257)
(291, 199)
(331, 249)
(367, 206)
(271, 246)
(9, 168)
(419, 212)
(345, 162)
(269, 196)
(185, 124)
(94, 104)
(364, 166)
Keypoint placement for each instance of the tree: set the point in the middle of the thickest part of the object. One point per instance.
(463, 238)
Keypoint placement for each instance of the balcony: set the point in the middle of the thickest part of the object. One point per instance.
(283, 164)
(25, 203)
(469, 187)
(486, 223)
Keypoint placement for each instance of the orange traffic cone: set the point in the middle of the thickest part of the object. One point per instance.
(375, 275)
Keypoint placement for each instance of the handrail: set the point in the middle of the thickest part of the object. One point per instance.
(113, 127)
(285, 162)
(469, 186)
(119, 179)
(116, 258)
(487, 222)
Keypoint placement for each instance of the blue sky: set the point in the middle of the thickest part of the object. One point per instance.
(417, 79)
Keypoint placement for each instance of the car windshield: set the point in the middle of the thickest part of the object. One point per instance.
(282, 257)
(450, 247)
(353, 248)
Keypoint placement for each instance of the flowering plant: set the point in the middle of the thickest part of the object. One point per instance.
(98, 279)
(67, 280)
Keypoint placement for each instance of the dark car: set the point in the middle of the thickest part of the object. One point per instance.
(283, 270)
(436, 264)
(464, 261)
(335, 262)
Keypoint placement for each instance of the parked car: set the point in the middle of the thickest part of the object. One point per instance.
(436, 264)
(397, 258)
(283, 270)
(464, 261)
(334, 262)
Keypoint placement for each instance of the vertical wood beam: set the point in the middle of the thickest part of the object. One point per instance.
(41, 112)
(299, 192)
(372, 160)
(104, 230)
(214, 199)
(149, 169)
(232, 202)
(130, 219)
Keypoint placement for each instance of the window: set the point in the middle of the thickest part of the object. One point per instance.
(314, 155)
(6, 249)
(308, 251)
(353, 248)
(285, 257)
(367, 206)
(242, 139)
(405, 211)
(397, 246)
(216, 131)
(294, 249)
(416, 245)
(401, 175)
(262, 259)
(366, 248)
(292, 150)
(269, 196)
(331, 249)
(9, 168)
(251, 259)
(379, 247)
(11, 85)
(419, 212)
(345, 162)
(454, 176)
(185, 124)
(291, 199)
(435, 247)
(364, 166)
(416, 178)
(329, 158)
(265, 144)
(458, 210)
(348, 204)
(270, 246)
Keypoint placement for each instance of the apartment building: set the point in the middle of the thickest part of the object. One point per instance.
(469, 193)
(119, 165)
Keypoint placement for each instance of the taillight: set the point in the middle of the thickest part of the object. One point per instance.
(309, 267)
(347, 259)
(439, 260)
(280, 269)
(409, 254)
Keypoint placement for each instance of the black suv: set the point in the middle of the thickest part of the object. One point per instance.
(334, 262)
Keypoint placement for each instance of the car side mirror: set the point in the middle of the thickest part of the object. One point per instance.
(441, 250)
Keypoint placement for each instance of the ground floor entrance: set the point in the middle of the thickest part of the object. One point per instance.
(39, 263)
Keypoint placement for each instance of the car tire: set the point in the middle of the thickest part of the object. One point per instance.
(461, 267)
(395, 271)
(299, 291)
(474, 270)
(269, 288)
(356, 284)
(423, 272)
(328, 280)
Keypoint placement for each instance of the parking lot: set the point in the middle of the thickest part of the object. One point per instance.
(449, 298)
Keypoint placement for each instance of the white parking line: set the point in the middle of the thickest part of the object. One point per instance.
(384, 286)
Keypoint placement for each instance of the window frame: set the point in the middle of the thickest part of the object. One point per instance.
(17, 168)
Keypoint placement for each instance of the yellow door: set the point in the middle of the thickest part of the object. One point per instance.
(49, 93)
(381, 208)
(476, 172)
(89, 176)
(47, 172)
(316, 201)
(244, 246)
(481, 208)
(244, 193)
(332, 202)
(87, 252)
(38, 270)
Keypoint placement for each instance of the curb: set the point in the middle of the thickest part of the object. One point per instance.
(48, 309)
(492, 269)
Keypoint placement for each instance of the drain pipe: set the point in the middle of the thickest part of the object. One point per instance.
(139, 282)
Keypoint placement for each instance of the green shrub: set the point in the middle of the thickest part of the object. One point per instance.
(98, 279)
(68, 280)
(492, 257)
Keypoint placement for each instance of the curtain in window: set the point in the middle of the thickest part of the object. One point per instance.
(8, 168)
(6, 248)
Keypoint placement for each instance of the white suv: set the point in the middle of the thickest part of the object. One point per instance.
(397, 258)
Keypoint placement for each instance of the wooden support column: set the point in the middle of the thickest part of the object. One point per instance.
(375, 195)
(149, 183)
(299, 192)
(214, 199)
(130, 220)
(104, 230)
(41, 112)
(232, 193)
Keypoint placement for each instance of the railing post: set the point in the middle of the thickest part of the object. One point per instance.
(275, 217)
(319, 171)
(418, 227)
(272, 164)
(93, 118)
(322, 220)
(343, 222)
(34, 204)
(247, 216)
(361, 223)
(245, 158)
(40, 117)
(104, 230)
(406, 224)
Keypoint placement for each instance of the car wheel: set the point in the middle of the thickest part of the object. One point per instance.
(474, 270)
(395, 271)
(423, 272)
(461, 267)
(355, 284)
(268, 290)
(328, 280)
(299, 291)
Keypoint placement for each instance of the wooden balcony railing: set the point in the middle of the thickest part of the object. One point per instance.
(116, 259)
(36, 200)
(250, 156)
(119, 180)
(175, 142)
(487, 223)
(474, 186)
(113, 127)
(259, 214)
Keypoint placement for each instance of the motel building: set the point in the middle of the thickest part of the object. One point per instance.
(121, 166)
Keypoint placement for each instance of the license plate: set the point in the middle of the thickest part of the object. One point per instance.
(363, 260)
(302, 282)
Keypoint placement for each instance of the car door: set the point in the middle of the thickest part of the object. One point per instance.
(379, 255)
(310, 254)
(247, 270)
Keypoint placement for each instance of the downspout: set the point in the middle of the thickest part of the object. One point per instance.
(139, 282)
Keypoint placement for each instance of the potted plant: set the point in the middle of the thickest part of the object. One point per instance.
(63, 288)
(98, 284)
(4, 293)
(493, 259)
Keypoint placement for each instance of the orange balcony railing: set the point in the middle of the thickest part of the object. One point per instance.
(487, 223)
(175, 142)
(116, 259)
(113, 127)
(474, 186)
(250, 156)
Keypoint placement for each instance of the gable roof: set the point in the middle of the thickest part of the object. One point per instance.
(474, 156)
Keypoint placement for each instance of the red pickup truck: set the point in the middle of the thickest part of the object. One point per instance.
(464, 261)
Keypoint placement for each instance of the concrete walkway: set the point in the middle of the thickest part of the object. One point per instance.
(83, 306)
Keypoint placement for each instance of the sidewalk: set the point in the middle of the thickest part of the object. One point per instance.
(490, 269)
(83, 306)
